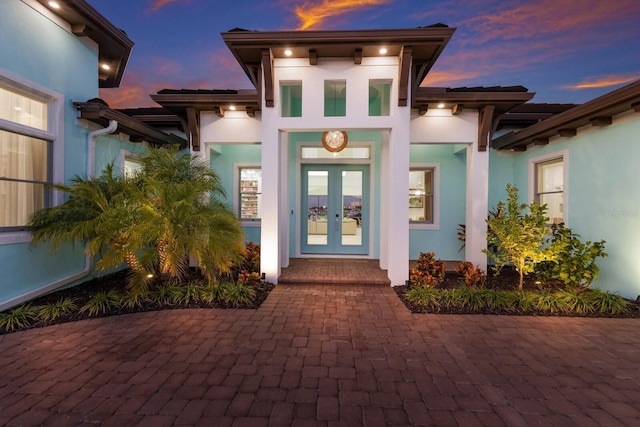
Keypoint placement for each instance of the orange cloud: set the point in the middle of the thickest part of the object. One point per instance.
(605, 81)
(447, 77)
(313, 14)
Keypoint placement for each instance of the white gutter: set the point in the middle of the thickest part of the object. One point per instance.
(88, 263)
(91, 145)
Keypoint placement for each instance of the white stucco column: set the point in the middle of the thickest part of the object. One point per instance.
(477, 205)
(396, 216)
(270, 221)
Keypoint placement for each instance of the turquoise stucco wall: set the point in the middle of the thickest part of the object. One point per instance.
(42, 53)
(223, 159)
(602, 191)
(452, 166)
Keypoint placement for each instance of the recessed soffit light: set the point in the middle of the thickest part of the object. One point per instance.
(288, 52)
(383, 51)
(105, 67)
(441, 105)
(54, 4)
(232, 107)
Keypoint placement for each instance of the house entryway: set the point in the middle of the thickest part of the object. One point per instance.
(335, 209)
(344, 271)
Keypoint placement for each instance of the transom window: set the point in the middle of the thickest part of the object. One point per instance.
(291, 98)
(379, 97)
(335, 98)
(26, 147)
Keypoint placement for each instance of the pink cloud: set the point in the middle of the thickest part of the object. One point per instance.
(604, 81)
(159, 4)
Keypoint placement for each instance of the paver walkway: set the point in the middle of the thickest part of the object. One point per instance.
(323, 355)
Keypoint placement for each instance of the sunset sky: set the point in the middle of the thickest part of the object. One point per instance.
(564, 50)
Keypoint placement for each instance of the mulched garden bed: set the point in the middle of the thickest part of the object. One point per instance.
(82, 293)
(507, 280)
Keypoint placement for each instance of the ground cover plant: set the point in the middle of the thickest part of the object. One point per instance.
(111, 295)
(537, 269)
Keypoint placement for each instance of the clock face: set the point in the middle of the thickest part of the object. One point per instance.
(334, 140)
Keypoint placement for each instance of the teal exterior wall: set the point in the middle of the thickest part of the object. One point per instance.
(223, 159)
(451, 162)
(43, 54)
(603, 200)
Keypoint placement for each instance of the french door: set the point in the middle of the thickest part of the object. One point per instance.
(335, 209)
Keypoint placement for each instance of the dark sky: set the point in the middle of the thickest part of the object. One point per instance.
(564, 50)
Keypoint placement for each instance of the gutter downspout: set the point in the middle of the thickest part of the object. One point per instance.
(88, 263)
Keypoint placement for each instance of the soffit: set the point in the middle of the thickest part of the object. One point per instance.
(598, 112)
(503, 98)
(97, 112)
(114, 44)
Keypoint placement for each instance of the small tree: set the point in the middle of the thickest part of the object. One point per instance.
(517, 232)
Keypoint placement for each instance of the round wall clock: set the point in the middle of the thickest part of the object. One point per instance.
(334, 140)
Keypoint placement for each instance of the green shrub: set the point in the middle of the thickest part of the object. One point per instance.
(570, 260)
(499, 300)
(517, 233)
(166, 294)
(425, 296)
(575, 302)
(19, 317)
(52, 311)
(468, 298)
(191, 292)
(213, 291)
(606, 302)
(548, 301)
(102, 303)
(238, 294)
(447, 299)
(134, 299)
(474, 277)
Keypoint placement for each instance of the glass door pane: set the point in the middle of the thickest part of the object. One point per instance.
(317, 193)
(351, 208)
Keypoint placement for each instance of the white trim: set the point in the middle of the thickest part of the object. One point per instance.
(54, 134)
(435, 225)
(531, 173)
(236, 191)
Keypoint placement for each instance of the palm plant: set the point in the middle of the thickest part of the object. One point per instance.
(152, 222)
(101, 212)
(183, 214)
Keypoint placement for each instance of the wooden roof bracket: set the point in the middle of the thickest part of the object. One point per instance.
(357, 56)
(193, 128)
(313, 57)
(601, 121)
(267, 70)
(403, 80)
(636, 107)
(219, 111)
(567, 132)
(485, 126)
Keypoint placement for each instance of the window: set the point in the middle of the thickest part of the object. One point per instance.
(132, 166)
(250, 193)
(26, 145)
(421, 200)
(379, 97)
(549, 188)
(335, 98)
(291, 99)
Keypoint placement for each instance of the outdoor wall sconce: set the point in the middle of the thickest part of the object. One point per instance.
(334, 140)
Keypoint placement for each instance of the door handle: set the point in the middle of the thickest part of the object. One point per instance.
(337, 222)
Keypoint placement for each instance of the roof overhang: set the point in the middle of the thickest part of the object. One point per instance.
(99, 113)
(417, 48)
(598, 112)
(114, 45)
(219, 101)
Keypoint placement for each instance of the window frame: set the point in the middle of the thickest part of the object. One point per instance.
(385, 101)
(335, 82)
(52, 136)
(534, 163)
(435, 185)
(283, 104)
(238, 167)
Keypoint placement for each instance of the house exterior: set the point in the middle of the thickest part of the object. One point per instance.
(337, 151)
(52, 61)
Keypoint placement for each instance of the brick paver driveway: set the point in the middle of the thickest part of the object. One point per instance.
(323, 355)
